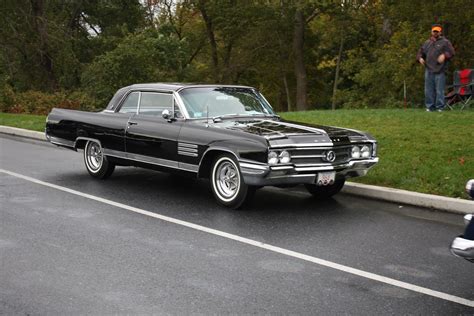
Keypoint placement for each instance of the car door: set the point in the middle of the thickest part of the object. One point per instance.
(113, 125)
(149, 137)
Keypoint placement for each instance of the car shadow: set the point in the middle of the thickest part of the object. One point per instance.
(191, 199)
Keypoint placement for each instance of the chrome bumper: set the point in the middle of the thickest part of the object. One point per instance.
(262, 174)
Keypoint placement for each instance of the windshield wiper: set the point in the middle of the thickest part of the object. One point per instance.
(219, 117)
(266, 115)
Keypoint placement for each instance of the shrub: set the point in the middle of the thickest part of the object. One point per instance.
(41, 103)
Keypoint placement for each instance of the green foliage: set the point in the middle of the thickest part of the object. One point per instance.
(97, 46)
(148, 56)
(383, 73)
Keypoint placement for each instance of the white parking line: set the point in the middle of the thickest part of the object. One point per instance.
(329, 264)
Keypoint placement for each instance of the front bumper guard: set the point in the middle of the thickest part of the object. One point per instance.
(261, 174)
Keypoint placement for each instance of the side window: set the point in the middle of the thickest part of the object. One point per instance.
(152, 103)
(130, 104)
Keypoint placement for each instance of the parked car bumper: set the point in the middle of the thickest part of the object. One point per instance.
(261, 174)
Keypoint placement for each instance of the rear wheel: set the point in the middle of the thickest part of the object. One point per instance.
(323, 192)
(227, 184)
(96, 163)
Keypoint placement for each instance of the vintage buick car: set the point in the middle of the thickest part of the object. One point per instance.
(229, 134)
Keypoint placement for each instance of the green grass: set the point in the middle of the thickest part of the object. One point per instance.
(419, 151)
(427, 152)
(27, 121)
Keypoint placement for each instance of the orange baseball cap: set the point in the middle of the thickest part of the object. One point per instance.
(436, 27)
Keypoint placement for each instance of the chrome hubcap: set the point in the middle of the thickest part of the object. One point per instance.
(227, 179)
(94, 156)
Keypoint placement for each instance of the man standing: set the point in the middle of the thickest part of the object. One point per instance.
(434, 54)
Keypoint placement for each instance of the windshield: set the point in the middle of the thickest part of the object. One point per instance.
(224, 101)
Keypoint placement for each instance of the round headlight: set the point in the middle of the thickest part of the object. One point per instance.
(365, 151)
(272, 158)
(285, 157)
(355, 152)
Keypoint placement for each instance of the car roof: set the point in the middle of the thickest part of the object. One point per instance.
(162, 86)
(177, 86)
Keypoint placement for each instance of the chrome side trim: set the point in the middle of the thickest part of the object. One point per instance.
(252, 166)
(151, 160)
(189, 167)
(217, 149)
(185, 153)
(61, 141)
(187, 149)
(187, 145)
(87, 138)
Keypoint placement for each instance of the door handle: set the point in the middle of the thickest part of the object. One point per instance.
(132, 123)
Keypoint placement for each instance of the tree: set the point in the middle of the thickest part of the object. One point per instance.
(147, 56)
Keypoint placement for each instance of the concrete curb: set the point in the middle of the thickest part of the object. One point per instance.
(22, 132)
(437, 202)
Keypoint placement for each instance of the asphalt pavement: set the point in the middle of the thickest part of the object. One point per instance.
(146, 242)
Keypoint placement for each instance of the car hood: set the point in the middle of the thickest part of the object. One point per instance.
(281, 132)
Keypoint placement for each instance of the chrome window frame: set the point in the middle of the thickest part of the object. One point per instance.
(176, 99)
(124, 98)
(156, 92)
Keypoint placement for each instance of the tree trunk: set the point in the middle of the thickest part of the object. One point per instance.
(287, 93)
(212, 39)
(300, 70)
(336, 76)
(43, 50)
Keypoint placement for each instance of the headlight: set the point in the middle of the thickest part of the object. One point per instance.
(355, 152)
(272, 158)
(285, 157)
(365, 151)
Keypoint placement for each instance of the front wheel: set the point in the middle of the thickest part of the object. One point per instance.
(96, 163)
(227, 184)
(324, 192)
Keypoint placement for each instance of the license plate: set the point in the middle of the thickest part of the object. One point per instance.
(326, 178)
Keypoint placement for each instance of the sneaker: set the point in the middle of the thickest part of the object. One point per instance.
(439, 110)
(428, 110)
(463, 248)
(467, 219)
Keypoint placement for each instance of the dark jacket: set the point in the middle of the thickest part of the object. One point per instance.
(430, 51)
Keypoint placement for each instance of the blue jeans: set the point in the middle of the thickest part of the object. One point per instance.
(469, 233)
(434, 90)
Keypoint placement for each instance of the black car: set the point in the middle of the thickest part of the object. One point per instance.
(229, 134)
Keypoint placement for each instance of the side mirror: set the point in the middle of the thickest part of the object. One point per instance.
(166, 114)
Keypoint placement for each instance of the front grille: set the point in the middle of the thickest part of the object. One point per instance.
(318, 155)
